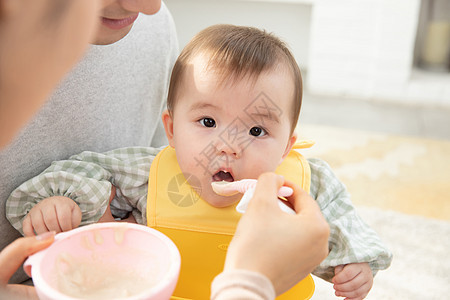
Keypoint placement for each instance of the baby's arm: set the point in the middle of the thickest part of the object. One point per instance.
(353, 281)
(58, 214)
(351, 239)
(52, 214)
(87, 179)
(66, 186)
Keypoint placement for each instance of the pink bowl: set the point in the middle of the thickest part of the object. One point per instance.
(109, 251)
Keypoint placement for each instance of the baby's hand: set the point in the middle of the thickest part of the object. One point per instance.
(352, 281)
(52, 214)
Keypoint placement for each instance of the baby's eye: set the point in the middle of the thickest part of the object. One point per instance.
(257, 131)
(207, 122)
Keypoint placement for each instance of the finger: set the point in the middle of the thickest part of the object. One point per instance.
(266, 191)
(351, 285)
(50, 216)
(358, 293)
(13, 256)
(37, 221)
(27, 227)
(64, 216)
(301, 200)
(76, 216)
(348, 273)
(356, 298)
(338, 269)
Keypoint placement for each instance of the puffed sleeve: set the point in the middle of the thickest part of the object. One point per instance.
(87, 179)
(351, 239)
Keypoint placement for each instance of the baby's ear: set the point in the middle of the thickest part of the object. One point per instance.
(168, 126)
(289, 145)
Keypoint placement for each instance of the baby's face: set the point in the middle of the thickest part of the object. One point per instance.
(233, 131)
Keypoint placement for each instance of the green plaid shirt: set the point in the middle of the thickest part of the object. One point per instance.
(87, 179)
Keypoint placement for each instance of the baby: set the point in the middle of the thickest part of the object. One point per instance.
(222, 118)
(233, 104)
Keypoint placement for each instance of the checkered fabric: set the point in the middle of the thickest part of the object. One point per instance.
(351, 239)
(87, 178)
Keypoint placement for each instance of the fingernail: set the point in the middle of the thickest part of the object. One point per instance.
(45, 236)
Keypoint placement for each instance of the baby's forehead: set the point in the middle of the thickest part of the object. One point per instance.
(227, 73)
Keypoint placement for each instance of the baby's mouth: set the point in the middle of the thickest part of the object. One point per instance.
(223, 176)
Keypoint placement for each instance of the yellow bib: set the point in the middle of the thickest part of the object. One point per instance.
(202, 232)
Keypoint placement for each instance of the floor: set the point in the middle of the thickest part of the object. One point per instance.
(390, 156)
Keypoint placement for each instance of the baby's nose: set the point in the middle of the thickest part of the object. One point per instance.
(227, 148)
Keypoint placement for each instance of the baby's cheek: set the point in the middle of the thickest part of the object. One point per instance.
(260, 168)
(187, 162)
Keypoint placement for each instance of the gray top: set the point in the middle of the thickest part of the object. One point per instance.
(113, 98)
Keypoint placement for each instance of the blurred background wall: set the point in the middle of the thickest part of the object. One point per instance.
(373, 64)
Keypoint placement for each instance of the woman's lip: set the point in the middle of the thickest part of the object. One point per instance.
(119, 23)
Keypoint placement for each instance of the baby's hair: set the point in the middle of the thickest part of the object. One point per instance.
(236, 52)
